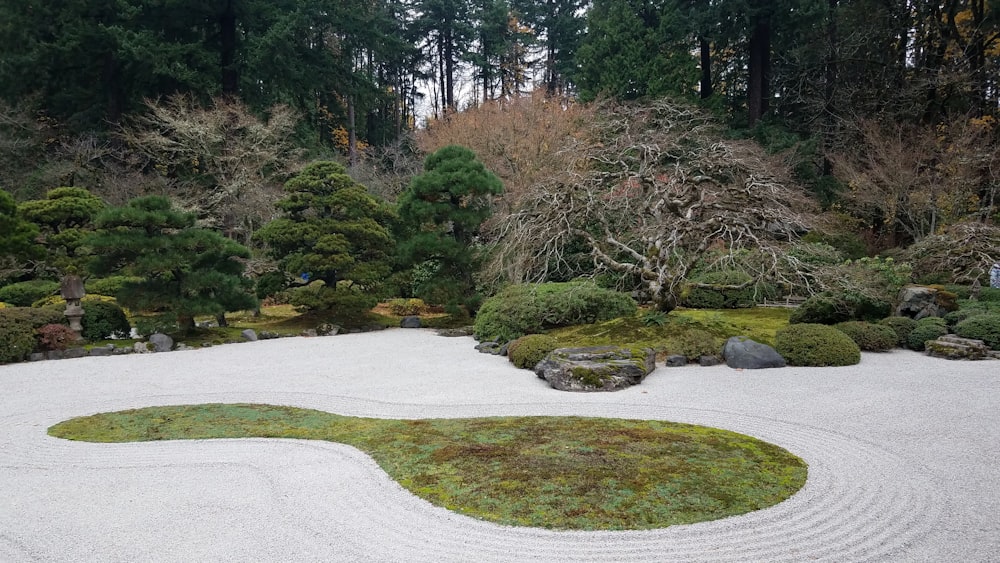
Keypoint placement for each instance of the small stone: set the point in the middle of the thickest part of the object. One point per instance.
(75, 353)
(36, 357)
(161, 342)
(309, 332)
(54, 355)
(103, 351)
(249, 335)
(675, 361)
(140, 348)
(708, 361)
(455, 332)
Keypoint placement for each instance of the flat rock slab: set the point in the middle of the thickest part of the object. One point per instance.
(951, 347)
(596, 368)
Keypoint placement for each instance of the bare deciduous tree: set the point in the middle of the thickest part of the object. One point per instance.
(653, 190)
(226, 164)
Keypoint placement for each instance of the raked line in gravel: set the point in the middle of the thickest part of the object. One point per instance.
(903, 453)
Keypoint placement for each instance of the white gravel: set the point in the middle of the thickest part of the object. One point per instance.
(903, 453)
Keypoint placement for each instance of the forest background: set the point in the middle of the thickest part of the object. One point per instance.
(884, 112)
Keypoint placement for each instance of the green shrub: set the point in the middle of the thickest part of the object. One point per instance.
(715, 290)
(527, 351)
(109, 286)
(809, 344)
(929, 328)
(343, 301)
(955, 317)
(985, 327)
(533, 308)
(869, 337)
(55, 337)
(902, 326)
(692, 343)
(23, 294)
(829, 309)
(17, 330)
(104, 319)
(406, 307)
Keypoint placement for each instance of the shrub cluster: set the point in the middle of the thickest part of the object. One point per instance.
(985, 327)
(829, 309)
(725, 290)
(104, 319)
(406, 307)
(869, 337)
(17, 330)
(929, 328)
(23, 294)
(109, 286)
(527, 351)
(902, 327)
(809, 344)
(533, 308)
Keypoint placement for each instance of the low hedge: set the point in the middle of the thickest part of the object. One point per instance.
(829, 309)
(810, 344)
(985, 327)
(869, 337)
(929, 328)
(902, 327)
(23, 294)
(18, 338)
(534, 308)
(720, 290)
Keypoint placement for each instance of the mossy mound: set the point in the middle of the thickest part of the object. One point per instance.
(868, 336)
(808, 344)
(929, 328)
(527, 351)
(902, 327)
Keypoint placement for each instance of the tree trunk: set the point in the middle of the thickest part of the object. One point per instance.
(706, 67)
(227, 33)
(352, 133)
(760, 69)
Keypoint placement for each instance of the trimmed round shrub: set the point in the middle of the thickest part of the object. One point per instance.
(830, 309)
(955, 317)
(23, 294)
(902, 326)
(104, 319)
(810, 344)
(869, 337)
(985, 327)
(534, 308)
(527, 351)
(929, 328)
(17, 330)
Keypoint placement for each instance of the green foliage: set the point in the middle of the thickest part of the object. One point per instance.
(692, 343)
(727, 289)
(902, 327)
(528, 350)
(848, 244)
(655, 318)
(17, 330)
(443, 210)
(55, 337)
(530, 308)
(985, 327)
(24, 294)
(827, 308)
(110, 285)
(346, 302)
(808, 344)
(65, 218)
(270, 283)
(928, 328)
(17, 236)
(185, 270)
(104, 319)
(869, 337)
(332, 230)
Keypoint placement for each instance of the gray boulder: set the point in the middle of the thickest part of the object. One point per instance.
(103, 350)
(161, 342)
(675, 361)
(953, 347)
(412, 321)
(742, 353)
(918, 302)
(708, 361)
(249, 335)
(595, 368)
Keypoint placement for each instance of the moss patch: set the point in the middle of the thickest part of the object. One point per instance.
(550, 472)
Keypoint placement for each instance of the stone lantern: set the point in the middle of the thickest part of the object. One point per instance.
(72, 291)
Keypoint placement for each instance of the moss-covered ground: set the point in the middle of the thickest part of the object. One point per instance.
(551, 472)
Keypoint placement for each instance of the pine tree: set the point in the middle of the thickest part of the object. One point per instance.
(185, 270)
(444, 208)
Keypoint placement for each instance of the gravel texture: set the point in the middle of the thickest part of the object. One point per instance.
(903, 453)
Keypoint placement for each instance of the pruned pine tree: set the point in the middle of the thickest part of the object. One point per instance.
(185, 271)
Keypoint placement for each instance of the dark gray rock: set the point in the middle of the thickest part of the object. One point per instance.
(742, 353)
(309, 332)
(328, 329)
(103, 350)
(953, 347)
(595, 368)
(675, 361)
(122, 351)
(918, 302)
(249, 335)
(410, 322)
(75, 353)
(161, 342)
(140, 348)
(36, 357)
(494, 348)
(708, 361)
(54, 355)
